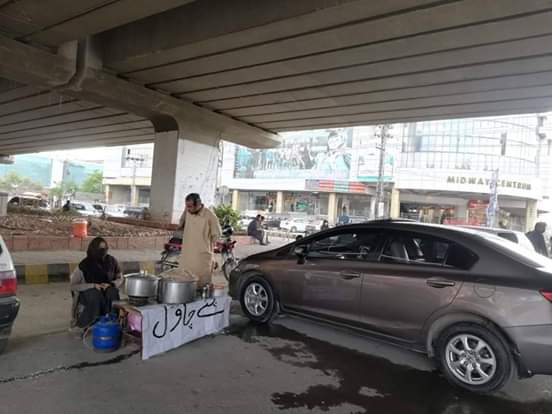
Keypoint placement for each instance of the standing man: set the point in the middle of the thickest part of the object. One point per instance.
(537, 238)
(201, 229)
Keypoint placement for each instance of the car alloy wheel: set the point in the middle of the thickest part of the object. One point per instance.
(470, 359)
(256, 299)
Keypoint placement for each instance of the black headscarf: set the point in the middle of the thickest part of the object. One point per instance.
(99, 267)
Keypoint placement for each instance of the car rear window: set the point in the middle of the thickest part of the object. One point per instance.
(418, 249)
(531, 258)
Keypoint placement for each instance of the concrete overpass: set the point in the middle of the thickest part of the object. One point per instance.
(188, 73)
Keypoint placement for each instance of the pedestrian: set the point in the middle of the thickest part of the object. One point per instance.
(67, 206)
(255, 230)
(200, 230)
(95, 284)
(263, 230)
(344, 217)
(537, 238)
(325, 225)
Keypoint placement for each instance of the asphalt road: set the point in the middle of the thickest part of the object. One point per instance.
(293, 366)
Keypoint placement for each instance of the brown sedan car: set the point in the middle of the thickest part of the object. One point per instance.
(477, 303)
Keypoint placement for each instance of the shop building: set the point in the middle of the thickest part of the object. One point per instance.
(448, 169)
(435, 171)
(314, 173)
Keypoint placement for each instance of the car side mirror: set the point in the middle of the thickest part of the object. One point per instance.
(301, 253)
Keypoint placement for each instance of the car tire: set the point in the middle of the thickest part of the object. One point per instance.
(257, 300)
(484, 365)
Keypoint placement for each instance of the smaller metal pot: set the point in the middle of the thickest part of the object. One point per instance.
(173, 291)
(141, 286)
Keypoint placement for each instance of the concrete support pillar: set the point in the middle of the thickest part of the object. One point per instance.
(372, 208)
(106, 192)
(395, 204)
(332, 209)
(133, 195)
(236, 200)
(462, 211)
(530, 214)
(279, 202)
(180, 167)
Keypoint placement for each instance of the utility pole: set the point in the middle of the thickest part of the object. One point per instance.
(382, 132)
(133, 190)
(492, 209)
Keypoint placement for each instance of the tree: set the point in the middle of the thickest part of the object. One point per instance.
(12, 181)
(64, 189)
(93, 183)
(226, 214)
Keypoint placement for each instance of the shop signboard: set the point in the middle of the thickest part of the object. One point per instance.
(455, 181)
(334, 154)
(333, 186)
(166, 327)
(315, 154)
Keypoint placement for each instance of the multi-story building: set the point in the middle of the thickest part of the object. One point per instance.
(437, 171)
(448, 168)
(127, 175)
(313, 172)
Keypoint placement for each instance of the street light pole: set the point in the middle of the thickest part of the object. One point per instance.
(382, 132)
(133, 190)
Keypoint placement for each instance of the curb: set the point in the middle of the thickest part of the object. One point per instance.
(60, 272)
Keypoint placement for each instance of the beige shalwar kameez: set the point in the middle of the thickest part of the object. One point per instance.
(201, 230)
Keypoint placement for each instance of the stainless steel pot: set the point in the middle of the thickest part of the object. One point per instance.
(141, 286)
(173, 291)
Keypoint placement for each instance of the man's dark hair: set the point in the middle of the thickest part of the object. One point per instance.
(194, 198)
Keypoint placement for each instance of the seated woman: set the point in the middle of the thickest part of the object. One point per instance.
(95, 284)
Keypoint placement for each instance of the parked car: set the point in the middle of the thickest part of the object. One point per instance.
(136, 212)
(28, 202)
(100, 208)
(294, 225)
(475, 302)
(115, 211)
(84, 209)
(9, 304)
(512, 235)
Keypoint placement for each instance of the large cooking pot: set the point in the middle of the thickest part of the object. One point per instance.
(173, 291)
(141, 286)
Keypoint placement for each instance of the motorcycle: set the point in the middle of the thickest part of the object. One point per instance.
(171, 251)
(225, 247)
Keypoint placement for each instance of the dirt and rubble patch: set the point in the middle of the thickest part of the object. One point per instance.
(15, 224)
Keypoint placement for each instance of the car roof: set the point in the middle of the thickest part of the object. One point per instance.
(494, 230)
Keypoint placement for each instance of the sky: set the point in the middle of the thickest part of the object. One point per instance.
(83, 154)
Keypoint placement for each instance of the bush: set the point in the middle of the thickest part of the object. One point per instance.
(226, 214)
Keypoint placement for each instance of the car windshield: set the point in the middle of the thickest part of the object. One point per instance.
(512, 249)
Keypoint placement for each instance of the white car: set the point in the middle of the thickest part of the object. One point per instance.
(85, 209)
(295, 225)
(115, 211)
(9, 304)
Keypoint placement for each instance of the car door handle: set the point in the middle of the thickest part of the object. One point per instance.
(440, 283)
(350, 275)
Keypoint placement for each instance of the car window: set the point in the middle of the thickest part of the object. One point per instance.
(512, 250)
(508, 236)
(352, 245)
(417, 249)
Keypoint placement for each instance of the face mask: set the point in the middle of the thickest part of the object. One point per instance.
(102, 252)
